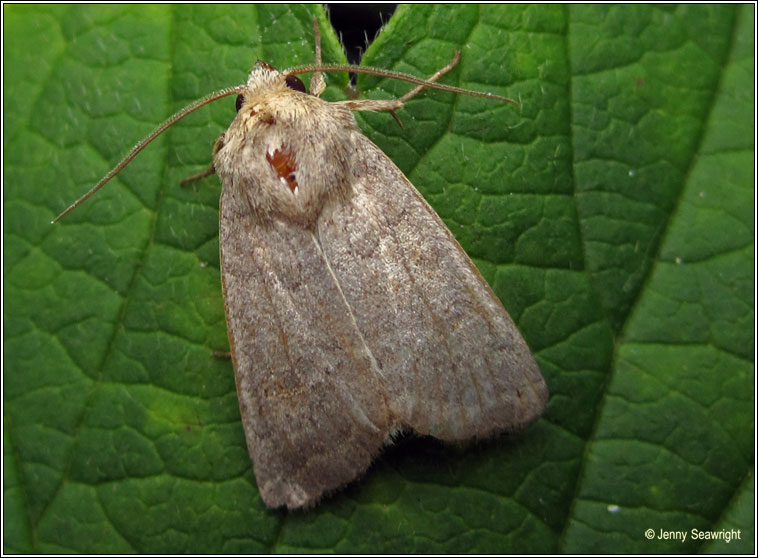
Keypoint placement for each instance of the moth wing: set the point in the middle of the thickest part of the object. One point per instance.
(313, 410)
(452, 361)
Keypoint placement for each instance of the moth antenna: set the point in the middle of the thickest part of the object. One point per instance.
(318, 83)
(442, 71)
(393, 75)
(144, 142)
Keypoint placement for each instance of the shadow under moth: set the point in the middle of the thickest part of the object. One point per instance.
(353, 314)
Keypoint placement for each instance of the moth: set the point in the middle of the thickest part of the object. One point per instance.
(353, 314)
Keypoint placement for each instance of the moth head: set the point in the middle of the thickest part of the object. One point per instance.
(264, 79)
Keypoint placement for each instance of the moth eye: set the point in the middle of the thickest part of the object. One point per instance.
(240, 100)
(295, 83)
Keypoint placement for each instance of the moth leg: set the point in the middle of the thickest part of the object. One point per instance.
(434, 77)
(318, 84)
(372, 104)
(199, 176)
(209, 171)
(396, 104)
(222, 354)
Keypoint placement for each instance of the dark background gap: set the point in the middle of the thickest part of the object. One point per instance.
(357, 25)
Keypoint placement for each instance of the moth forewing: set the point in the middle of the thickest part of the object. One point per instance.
(454, 363)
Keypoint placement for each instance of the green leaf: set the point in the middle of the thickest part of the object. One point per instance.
(612, 212)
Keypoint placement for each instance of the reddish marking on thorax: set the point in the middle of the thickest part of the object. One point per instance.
(284, 164)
